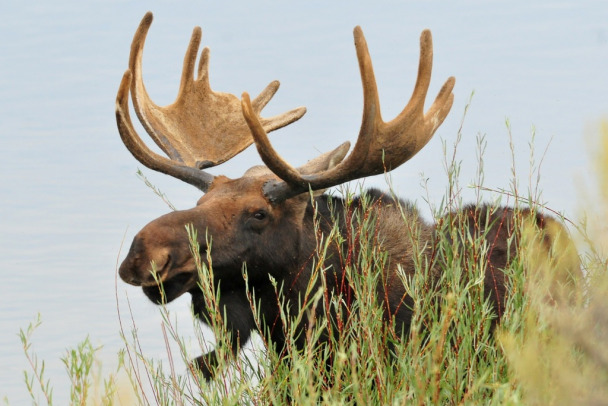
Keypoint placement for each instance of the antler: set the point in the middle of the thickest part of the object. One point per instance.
(201, 129)
(381, 146)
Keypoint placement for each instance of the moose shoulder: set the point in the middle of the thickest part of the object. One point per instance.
(268, 219)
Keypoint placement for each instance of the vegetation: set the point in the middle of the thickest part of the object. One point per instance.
(549, 349)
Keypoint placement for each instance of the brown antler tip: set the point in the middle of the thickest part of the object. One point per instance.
(426, 37)
(247, 109)
(245, 100)
(358, 33)
(147, 20)
(274, 85)
(138, 39)
(198, 31)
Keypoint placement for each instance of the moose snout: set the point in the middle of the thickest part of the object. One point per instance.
(144, 273)
(145, 265)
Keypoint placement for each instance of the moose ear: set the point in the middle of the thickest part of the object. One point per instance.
(325, 161)
(321, 163)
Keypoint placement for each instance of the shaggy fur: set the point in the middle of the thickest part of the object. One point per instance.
(281, 242)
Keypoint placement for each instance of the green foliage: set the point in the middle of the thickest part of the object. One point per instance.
(559, 355)
(36, 377)
(78, 362)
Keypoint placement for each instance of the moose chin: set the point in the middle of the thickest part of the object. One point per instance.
(266, 219)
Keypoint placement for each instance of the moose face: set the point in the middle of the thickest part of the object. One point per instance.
(234, 224)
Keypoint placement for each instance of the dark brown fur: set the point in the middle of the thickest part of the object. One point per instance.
(280, 241)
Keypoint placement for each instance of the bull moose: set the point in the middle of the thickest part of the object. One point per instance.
(266, 219)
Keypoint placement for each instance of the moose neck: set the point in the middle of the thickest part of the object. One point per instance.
(396, 238)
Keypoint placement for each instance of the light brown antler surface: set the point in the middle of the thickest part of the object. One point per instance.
(145, 155)
(381, 146)
(202, 128)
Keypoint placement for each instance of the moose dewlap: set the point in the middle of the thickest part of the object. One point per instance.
(270, 219)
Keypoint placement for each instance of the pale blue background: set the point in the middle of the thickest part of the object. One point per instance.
(68, 185)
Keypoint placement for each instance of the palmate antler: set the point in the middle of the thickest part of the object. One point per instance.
(201, 129)
(381, 146)
(204, 128)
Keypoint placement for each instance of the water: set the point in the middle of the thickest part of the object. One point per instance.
(69, 191)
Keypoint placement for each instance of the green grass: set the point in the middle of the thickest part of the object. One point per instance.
(550, 348)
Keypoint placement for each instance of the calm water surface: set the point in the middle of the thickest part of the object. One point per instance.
(70, 196)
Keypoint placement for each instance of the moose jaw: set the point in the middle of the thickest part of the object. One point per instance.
(266, 218)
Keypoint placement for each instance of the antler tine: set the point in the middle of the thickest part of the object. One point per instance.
(201, 128)
(442, 103)
(381, 146)
(265, 95)
(280, 120)
(371, 110)
(187, 79)
(441, 106)
(425, 67)
(271, 158)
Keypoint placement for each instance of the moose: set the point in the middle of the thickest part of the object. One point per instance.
(269, 219)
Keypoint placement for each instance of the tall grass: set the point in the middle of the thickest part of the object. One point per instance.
(549, 349)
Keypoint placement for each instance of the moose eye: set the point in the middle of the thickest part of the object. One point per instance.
(259, 215)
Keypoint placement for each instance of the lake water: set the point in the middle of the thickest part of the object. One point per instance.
(70, 197)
